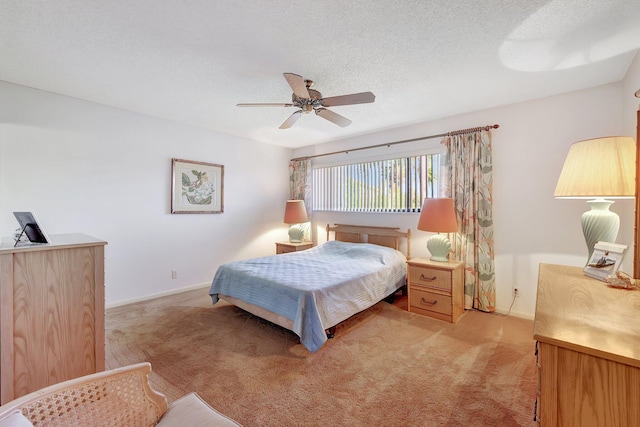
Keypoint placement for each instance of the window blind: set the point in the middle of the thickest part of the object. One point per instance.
(395, 185)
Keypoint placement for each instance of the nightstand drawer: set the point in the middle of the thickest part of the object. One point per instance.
(431, 277)
(430, 301)
(286, 247)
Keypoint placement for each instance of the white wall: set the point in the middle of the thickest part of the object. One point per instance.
(529, 148)
(84, 167)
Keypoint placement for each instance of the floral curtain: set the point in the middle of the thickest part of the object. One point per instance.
(468, 179)
(300, 187)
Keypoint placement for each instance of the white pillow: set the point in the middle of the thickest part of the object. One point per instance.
(15, 419)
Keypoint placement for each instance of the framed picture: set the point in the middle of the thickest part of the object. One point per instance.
(605, 260)
(196, 187)
(30, 227)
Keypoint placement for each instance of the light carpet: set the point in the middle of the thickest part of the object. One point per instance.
(385, 367)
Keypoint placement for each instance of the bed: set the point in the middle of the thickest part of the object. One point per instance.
(310, 292)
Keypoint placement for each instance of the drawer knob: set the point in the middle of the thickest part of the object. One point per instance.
(424, 301)
(428, 279)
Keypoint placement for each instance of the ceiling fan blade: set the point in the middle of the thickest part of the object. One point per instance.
(297, 85)
(333, 117)
(291, 120)
(354, 98)
(264, 105)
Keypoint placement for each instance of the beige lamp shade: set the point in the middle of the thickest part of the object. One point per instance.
(602, 167)
(295, 212)
(438, 216)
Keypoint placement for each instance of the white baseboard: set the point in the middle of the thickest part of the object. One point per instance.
(158, 295)
(513, 313)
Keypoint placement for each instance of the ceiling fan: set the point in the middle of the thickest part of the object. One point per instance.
(308, 100)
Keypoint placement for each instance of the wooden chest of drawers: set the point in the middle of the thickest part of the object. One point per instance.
(51, 313)
(436, 289)
(588, 351)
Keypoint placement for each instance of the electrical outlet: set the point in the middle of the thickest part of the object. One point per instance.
(516, 293)
(174, 274)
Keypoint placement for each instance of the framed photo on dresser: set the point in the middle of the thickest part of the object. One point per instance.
(30, 227)
(605, 261)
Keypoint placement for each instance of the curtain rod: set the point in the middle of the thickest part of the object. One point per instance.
(389, 144)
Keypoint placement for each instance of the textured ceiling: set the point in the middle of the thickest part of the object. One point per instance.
(193, 61)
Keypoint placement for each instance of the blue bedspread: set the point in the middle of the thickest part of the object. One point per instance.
(317, 288)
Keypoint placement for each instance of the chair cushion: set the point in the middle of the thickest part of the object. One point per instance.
(191, 410)
(15, 419)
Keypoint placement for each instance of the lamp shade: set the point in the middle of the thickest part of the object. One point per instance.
(438, 216)
(602, 167)
(295, 212)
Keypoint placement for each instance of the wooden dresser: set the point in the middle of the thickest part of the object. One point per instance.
(51, 312)
(436, 289)
(588, 338)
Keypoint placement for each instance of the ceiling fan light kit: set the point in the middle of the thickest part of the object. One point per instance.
(307, 100)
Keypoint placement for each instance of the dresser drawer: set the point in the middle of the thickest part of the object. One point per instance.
(430, 301)
(432, 277)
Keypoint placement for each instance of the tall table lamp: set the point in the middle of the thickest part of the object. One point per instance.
(438, 216)
(295, 214)
(597, 169)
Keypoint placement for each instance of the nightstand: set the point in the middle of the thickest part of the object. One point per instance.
(436, 289)
(284, 247)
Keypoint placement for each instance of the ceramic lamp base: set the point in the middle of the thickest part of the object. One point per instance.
(296, 233)
(599, 224)
(439, 246)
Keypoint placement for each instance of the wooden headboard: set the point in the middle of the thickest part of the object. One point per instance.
(383, 236)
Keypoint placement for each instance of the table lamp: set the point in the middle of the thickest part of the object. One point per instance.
(295, 214)
(438, 216)
(595, 169)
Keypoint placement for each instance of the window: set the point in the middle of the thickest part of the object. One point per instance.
(398, 185)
